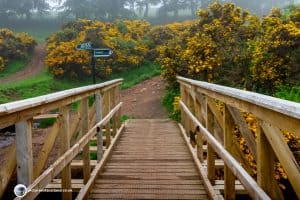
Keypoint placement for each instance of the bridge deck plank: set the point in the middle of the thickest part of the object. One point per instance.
(158, 165)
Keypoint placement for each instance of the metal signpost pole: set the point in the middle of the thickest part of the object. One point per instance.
(94, 69)
(95, 53)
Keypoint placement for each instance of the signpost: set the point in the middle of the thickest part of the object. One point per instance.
(96, 53)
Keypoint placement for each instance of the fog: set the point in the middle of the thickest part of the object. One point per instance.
(155, 11)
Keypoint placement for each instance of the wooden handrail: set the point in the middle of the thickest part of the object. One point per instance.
(283, 113)
(41, 182)
(13, 112)
(22, 113)
(251, 186)
(288, 108)
(271, 115)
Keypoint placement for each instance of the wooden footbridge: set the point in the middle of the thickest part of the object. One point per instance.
(101, 158)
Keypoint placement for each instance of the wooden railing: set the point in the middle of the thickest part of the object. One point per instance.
(74, 127)
(217, 126)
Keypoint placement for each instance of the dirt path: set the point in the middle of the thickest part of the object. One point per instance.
(35, 66)
(144, 100)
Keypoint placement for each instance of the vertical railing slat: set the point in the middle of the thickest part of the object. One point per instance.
(211, 171)
(84, 113)
(99, 107)
(229, 178)
(265, 165)
(24, 152)
(64, 146)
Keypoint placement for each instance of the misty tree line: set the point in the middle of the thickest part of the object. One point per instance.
(112, 9)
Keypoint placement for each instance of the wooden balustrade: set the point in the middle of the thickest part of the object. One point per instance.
(86, 121)
(218, 125)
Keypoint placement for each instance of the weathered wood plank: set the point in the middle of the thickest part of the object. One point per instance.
(24, 152)
(7, 168)
(211, 170)
(207, 184)
(47, 147)
(88, 186)
(84, 113)
(149, 171)
(99, 105)
(243, 127)
(65, 146)
(11, 113)
(65, 159)
(284, 154)
(229, 178)
(265, 166)
(251, 186)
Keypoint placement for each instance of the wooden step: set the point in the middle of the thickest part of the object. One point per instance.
(218, 163)
(55, 185)
(79, 163)
(239, 188)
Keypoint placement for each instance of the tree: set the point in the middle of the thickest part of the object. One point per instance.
(98, 9)
(145, 5)
(22, 8)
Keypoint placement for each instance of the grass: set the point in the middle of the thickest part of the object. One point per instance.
(138, 75)
(168, 100)
(288, 93)
(45, 83)
(13, 67)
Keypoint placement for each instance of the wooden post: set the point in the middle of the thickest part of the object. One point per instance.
(106, 108)
(229, 178)
(182, 114)
(64, 146)
(24, 152)
(118, 100)
(199, 135)
(211, 171)
(99, 131)
(114, 103)
(265, 165)
(84, 113)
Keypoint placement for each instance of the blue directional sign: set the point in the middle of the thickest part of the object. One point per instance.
(102, 53)
(84, 46)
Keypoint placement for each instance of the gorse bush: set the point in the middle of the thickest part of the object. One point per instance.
(229, 46)
(14, 46)
(126, 38)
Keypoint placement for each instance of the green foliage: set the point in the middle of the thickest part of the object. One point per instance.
(14, 46)
(124, 118)
(125, 38)
(45, 123)
(45, 83)
(138, 74)
(229, 46)
(12, 67)
(93, 143)
(288, 93)
(93, 156)
(168, 102)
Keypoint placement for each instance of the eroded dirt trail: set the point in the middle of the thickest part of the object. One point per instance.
(35, 66)
(143, 101)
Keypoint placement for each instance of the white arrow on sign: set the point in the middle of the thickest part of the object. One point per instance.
(102, 53)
